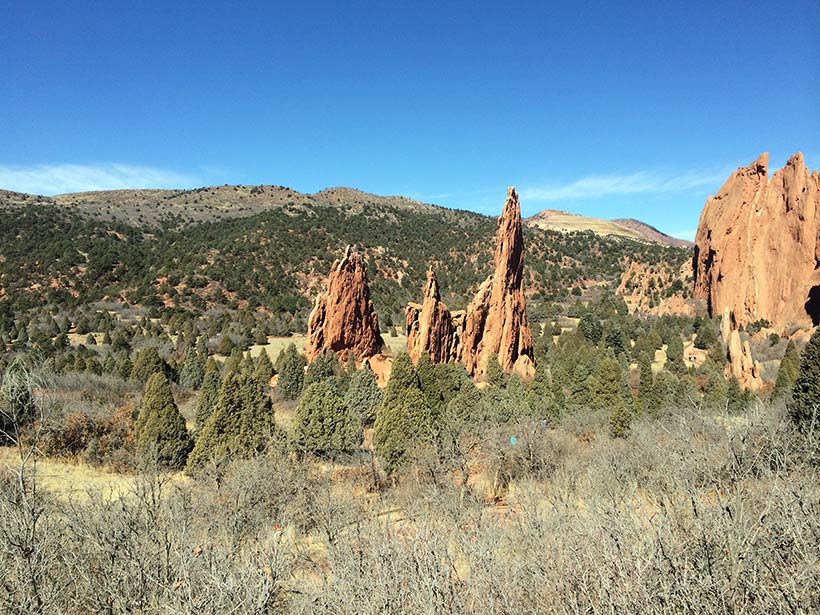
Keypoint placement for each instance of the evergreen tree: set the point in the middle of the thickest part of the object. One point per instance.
(404, 418)
(257, 426)
(450, 378)
(264, 369)
(207, 396)
(240, 425)
(159, 432)
(403, 377)
(787, 373)
(291, 372)
(648, 396)
(715, 394)
(146, 363)
(429, 383)
(737, 400)
(706, 337)
(402, 421)
(17, 404)
(617, 341)
(225, 346)
(674, 355)
(591, 328)
(235, 361)
(321, 370)
(494, 375)
(804, 406)
(192, 371)
(466, 408)
(364, 396)
(323, 424)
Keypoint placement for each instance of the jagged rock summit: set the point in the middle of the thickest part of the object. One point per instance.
(495, 322)
(757, 249)
(343, 319)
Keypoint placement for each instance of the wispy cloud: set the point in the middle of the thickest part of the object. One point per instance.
(688, 235)
(641, 182)
(61, 178)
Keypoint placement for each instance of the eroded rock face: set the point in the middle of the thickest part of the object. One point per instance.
(640, 282)
(431, 327)
(740, 363)
(343, 318)
(495, 322)
(757, 250)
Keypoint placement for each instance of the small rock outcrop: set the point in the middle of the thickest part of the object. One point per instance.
(757, 248)
(343, 319)
(495, 322)
(739, 355)
(432, 328)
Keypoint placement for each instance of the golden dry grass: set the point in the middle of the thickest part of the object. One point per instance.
(70, 480)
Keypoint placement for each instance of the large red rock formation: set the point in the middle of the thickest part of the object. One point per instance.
(757, 248)
(495, 322)
(343, 318)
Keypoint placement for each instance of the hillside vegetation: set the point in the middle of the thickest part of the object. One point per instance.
(270, 247)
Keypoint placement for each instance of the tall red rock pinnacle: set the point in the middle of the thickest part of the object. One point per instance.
(343, 318)
(757, 248)
(496, 319)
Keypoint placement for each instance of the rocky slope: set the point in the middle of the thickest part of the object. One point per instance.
(757, 248)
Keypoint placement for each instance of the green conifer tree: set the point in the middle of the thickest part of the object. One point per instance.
(240, 425)
(192, 371)
(323, 424)
(804, 405)
(787, 373)
(494, 375)
(160, 434)
(263, 371)
(363, 395)
(674, 355)
(429, 383)
(146, 363)
(207, 397)
(648, 397)
(290, 366)
(404, 418)
(320, 370)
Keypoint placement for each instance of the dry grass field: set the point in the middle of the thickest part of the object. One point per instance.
(690, 514)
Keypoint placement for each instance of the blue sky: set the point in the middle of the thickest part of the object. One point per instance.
(592, 108)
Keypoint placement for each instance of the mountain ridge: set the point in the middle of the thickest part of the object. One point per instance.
(157, 207)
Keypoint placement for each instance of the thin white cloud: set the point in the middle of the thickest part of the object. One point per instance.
(688, 235)
(641, 182)
(61, 178)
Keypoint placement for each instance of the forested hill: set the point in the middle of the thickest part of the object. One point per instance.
(271, 247)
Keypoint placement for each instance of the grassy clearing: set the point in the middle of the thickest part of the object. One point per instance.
(72, 480)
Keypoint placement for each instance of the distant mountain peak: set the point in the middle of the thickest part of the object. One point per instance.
(557, 220)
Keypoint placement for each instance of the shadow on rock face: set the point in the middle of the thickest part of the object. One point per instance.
(813, 305)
